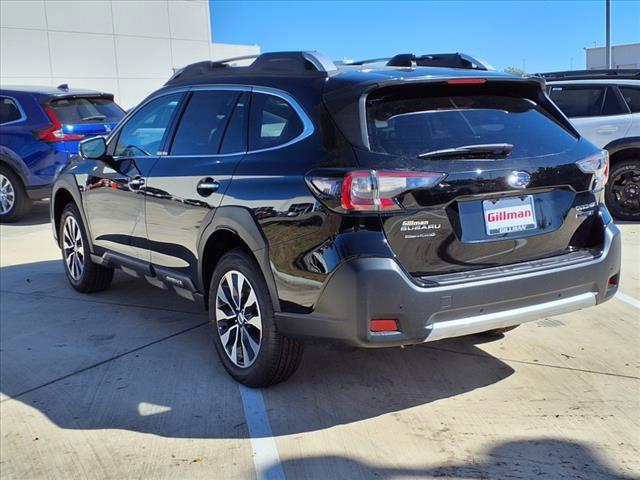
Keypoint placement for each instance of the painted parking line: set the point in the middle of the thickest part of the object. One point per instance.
(265, 453)
(628, 299)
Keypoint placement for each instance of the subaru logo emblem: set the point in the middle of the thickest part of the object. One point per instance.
(519, 179)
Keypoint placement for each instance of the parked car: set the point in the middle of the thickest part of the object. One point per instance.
(40, 129)
(604, 106)
(378, 204)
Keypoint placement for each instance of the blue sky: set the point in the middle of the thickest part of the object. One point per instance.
(543, 35)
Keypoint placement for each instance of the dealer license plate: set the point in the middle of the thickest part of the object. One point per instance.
(508, 215)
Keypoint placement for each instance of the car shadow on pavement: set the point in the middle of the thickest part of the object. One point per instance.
(39, 215)
(521, 459)
(139, 359)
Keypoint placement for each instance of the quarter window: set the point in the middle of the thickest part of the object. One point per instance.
(273, 122)
(143, 134)
(9, 111)
(203, 123)
(632, 97)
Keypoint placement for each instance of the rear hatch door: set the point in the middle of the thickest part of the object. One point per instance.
(86, 116)
(512, 185)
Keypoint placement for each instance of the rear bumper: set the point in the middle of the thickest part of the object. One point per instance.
(370, 288)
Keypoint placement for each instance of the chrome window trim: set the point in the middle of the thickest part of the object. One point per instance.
(23, 115)
(307, 125)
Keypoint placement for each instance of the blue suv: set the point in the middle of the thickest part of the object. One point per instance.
(40, 129)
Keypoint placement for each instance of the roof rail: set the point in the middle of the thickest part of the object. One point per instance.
(447, 60)
(590, 74)
(272, 63)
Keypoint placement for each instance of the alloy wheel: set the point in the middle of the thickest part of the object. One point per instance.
(238, 319)
(7, 195)
(73, 248)
(625, 188)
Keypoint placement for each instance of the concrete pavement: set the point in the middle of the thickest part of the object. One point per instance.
(126, 384)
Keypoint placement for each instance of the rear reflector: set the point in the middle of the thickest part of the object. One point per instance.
(613, 281)
(466, 81)
(384, 325)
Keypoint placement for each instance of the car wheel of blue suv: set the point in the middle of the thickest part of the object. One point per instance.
(246, 339)
(14, 201)
(84, 275)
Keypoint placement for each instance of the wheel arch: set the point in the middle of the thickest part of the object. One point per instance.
(9, 159)
(66, 191)
(623, 149)
(230, 228)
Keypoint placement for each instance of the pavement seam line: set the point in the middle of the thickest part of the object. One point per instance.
(266, 459)
(627, 299)
(535, 364)
(100, 302)
(103, 362)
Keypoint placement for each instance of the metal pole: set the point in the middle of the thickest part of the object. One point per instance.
(608, 33)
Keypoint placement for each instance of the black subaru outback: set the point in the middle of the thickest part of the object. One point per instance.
(383, 204)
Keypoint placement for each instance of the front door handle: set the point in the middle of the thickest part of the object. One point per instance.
(207, 186)
(136, 183)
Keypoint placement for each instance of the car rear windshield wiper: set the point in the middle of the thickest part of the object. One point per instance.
(94, 117)
(494, 150)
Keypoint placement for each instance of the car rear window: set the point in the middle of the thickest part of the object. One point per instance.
(413, 123)
(86, 110)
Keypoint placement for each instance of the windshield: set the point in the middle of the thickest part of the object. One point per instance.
(87, 110)
(412, 125)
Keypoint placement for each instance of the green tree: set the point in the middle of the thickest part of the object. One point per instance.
(515, 71)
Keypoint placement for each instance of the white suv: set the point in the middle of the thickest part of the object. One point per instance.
(604, 106)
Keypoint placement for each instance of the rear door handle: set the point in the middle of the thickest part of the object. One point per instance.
(207, 186)
(607, 129)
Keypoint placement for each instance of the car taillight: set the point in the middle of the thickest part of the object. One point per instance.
(372, 190)
(598, 165)
(54, 133)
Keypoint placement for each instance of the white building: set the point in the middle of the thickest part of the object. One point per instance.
(126, 47)
(622, 56)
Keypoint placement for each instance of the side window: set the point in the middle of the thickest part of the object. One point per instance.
(632, 97)
(145, 130)
(9, 111)
(273, 122)
(203, 123)
(235, 137)
(612, 104)
(579, 101)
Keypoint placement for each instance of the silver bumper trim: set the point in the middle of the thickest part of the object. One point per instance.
(508, 318)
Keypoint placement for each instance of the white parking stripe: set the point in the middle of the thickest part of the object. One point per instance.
(265, 453)
(627, 299)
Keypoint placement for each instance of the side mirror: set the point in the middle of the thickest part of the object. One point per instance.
(93, 148)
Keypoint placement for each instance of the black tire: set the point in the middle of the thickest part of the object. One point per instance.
(622, 193)
(91, 277)
(497, 332)
(21, 203)
(277, 356)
